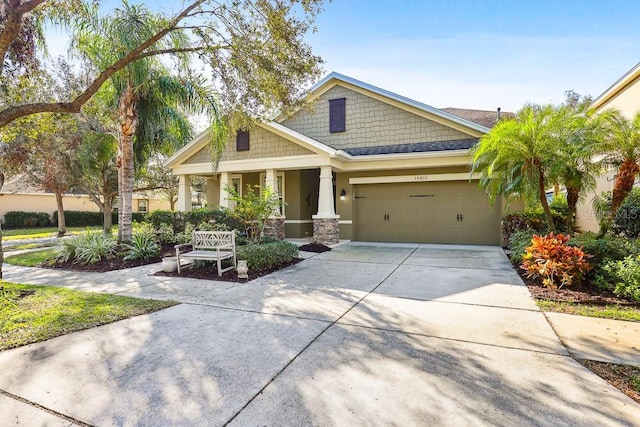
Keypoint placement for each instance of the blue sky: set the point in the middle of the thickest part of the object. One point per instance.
(477, 54)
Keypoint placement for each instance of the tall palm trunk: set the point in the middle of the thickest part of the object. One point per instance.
(1, 252)
(62, 223)
(128, 121)
(627, 174)
(543, 196)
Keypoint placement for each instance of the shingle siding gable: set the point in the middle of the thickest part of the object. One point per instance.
(264, 144)
(370, 123)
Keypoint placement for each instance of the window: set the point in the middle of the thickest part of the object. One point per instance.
(242, 140)
(337, 113)
(279, 190)
(143, 205)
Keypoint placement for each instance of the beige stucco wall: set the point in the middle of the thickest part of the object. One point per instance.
(262, 144)
(627, 100)
(47, 203)
(369, 123)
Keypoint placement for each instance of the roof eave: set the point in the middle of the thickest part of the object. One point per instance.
(615, 88)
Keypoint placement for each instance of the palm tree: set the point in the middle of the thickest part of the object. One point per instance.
(575, 162)
(150, 101)
(624, 153)
(515, 156)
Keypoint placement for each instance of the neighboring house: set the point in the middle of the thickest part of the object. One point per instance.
(362, 164)
(18, 194)
(624, 96)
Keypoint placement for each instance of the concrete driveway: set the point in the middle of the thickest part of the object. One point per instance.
(367, 334)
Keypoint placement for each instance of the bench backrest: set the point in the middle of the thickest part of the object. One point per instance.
(211, 240)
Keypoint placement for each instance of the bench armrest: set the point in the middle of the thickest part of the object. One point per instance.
(182, 245)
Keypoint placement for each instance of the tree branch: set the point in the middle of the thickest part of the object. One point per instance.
(12, 113)
(13, 24)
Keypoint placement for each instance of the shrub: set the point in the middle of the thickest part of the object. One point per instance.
(159, 218)
(554, 261)
(267, 255)
(19, 219)
(627, 220)
(603, 249)
(142, 246)
(86, 248)
(623, 276)
(518, 243)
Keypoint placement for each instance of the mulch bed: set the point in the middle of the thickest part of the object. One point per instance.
(111, 264)
(211, 273)
(624, 378)
(587, 293)
(314, 247)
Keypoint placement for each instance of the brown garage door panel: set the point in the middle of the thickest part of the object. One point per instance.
(434, 212)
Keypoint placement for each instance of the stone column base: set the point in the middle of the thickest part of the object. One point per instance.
(326, 231)
(274, 227)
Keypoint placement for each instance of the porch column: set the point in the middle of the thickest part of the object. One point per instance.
(213, 193)
(225, 180)
(271, 181)
(325, 222)
(274, 225)
(184, 193)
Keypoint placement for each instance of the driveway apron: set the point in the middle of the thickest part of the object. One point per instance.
(367, 334)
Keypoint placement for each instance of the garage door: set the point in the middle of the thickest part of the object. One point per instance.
(425, 212)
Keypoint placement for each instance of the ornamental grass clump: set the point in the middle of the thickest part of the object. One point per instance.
(551, 259)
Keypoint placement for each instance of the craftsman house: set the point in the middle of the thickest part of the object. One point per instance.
(361, 164)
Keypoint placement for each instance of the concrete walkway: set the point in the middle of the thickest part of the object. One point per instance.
(366, 334)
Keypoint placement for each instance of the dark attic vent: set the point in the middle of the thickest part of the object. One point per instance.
(337, 113)
(242, 140)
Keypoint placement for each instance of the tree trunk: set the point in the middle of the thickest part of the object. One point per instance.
(62, 224)
(572, 202)
(172, 203)
(627, 173)
(543, 198)
(128, 121)
(1, 251)
(107, 210)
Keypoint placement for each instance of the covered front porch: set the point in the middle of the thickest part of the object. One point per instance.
(308, 198)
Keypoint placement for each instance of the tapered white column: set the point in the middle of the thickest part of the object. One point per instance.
(271, 181)
(213, 193)
(184, 193)
(326, 208)
(225, 180)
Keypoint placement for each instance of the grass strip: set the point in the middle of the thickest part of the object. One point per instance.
(31, 259)
(608, 311)
(30, 313)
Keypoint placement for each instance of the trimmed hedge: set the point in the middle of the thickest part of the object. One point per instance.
(178, 220)
(20, 219)
(267, 255)
(87, 219)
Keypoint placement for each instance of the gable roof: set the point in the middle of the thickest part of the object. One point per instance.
(485, 118)
(202, 140)
(333, 78)
(617, 87)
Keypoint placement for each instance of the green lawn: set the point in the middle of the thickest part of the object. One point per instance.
(31, 259)
(30, 314)
(24, 246)
(609, 311)
(36, 233)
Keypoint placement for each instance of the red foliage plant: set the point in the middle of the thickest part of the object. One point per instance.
(556, 263)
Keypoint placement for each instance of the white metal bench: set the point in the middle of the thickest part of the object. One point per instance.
(210, 246)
